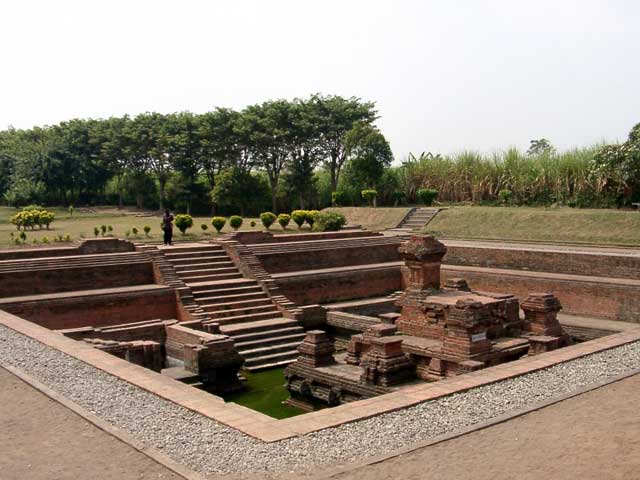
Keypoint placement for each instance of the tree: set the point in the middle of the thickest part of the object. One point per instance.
(183, 148)
(114, 146)
(237, 188)
(336, 116)
(540, 147)
(369, 154)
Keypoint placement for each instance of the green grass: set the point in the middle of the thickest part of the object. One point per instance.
(82, 223)
(604, 227)
(379, 218)
(265, 393)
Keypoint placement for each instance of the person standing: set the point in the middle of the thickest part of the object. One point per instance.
(167, 226)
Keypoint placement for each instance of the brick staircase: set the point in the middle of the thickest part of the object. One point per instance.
(418, 218)
(239, 305)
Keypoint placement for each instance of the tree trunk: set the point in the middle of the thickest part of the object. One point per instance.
(274, 205)
(301, 201)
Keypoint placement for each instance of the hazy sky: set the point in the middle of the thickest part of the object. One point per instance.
(446, 75)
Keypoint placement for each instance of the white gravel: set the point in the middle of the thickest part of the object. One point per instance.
(210, 447)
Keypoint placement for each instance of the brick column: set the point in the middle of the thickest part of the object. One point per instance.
(541, 314)
(422, 255)
(385, 364)
(316, 350)
(466, 333)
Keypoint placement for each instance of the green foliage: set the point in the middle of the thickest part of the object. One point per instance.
(267, 219)
(204, 227)
(235, 221)
(370, 196)
(45, 239)
(397, 196)
(134, 230)
(310, 217)
(253, 223)
(183, 222)
(540, 147)
(67, 238)
(127, 233)
(218, 223)
(96, 231)
(146, 229)
(338, 198)
(32, 217)
(71, 210)
(23, 236)
(427, 196)
(103, 229)
(283, 220)
(369, 154)
(505, 196)
(328, 222)
(299, 217)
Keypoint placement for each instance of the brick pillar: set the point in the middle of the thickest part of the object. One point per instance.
(541, 314)
(385, 364)
(422, 256)
(466, 334)
(316, 350)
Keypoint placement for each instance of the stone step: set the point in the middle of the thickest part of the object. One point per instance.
(190, 248)
(206, 270)
(237, 305)
(246, 318)
(179, 262)
(268, 366)
(263, 335)
(257, 325)
(209, 294)
(237, 312)
(260, 362)
(272, 340)
(269, 350)
(222, 284)
(210, 278)
(250, 293)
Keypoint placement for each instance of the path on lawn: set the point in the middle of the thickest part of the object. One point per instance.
(42, 440)
(593, 436)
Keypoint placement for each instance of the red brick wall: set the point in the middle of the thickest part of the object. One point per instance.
(54, 280)
(576, 263)
(98, 310)
(611, 300)
(334, 287)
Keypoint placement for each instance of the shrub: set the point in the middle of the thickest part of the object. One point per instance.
(218, 223)
(204, 227)
(505, 196)
(370, 196)
(67, 238)
(397, 197)
(96, 231)
(283, 220)
(103, 229)
(35, 241)
(46, 218)
(253, 223)
(329, 222)
(427, 195)
(299, 217)
(135, 231)
(109, 228)
(45, 239)
(338, 198)
(23, 236)
(184, 222)
(32, 207)
(127, 233)
(235, 221)
(267, 219)
(310, 217)
(71, 210)
(146, 229)
(31, 218)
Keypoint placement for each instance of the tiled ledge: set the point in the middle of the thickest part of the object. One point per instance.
(268, 429)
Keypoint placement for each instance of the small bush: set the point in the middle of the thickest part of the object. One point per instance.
(146, 229)
(103, 229)
(96, 231)
(35, 241)
(426, 196)
(283, 220)
(505, 196)
(45, 239)
(267, 219)
(218, 223)
(31, 218)
(109, 228)
(299, 217)
(204, 227)
(127, 233)
(253, 223)
(235, 221)
(310, 217)
(329, 222)
(67, 238)
(135, 231)
(71, 210)
(370, 196)
(184, 222)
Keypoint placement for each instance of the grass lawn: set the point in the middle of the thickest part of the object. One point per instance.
(265, 393)
(379, 218)
(82, 223)
(613, 227)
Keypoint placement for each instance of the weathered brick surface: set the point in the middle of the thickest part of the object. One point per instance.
(91, 246)
(98, 310)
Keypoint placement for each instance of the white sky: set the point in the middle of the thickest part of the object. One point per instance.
(446, 75)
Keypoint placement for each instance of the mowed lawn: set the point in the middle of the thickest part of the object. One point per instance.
(82, 223)
(605, 227)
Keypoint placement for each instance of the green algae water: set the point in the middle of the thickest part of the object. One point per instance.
(265, 392)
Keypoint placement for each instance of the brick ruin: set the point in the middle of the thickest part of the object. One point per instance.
(437, 333)
(351, 314)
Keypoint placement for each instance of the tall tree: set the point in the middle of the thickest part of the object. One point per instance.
(115, 148)
(369, 154)
(337, 116)
(183, 148)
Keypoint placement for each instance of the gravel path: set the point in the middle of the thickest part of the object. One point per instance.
(210, 447)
